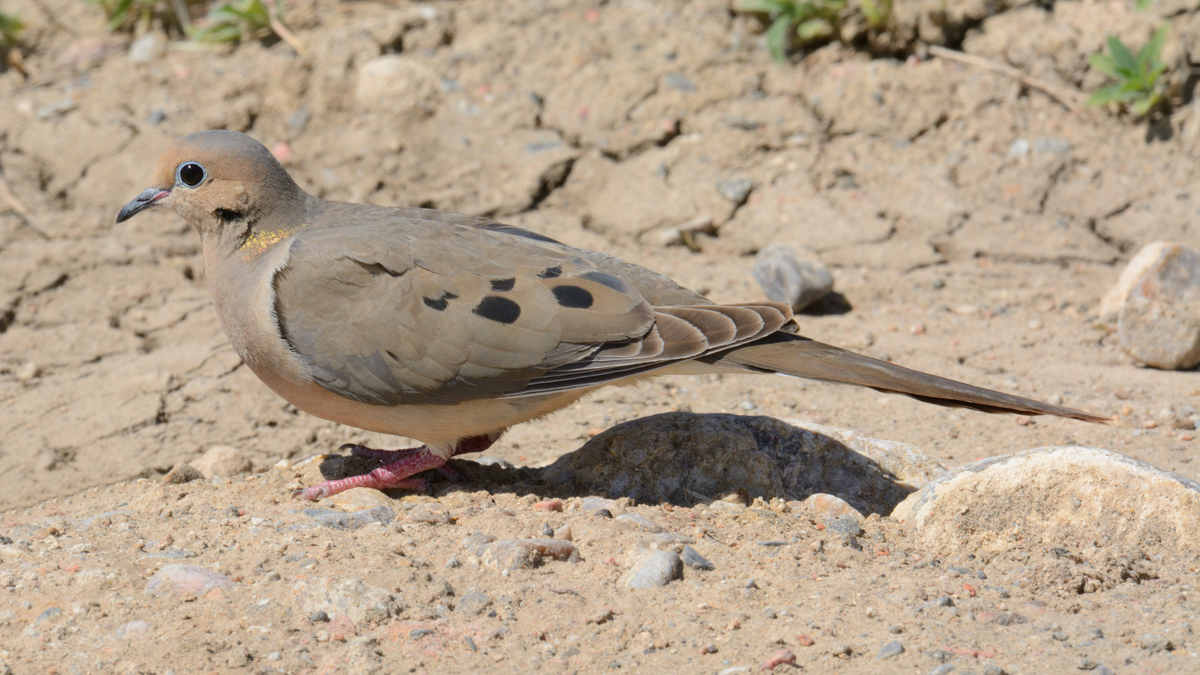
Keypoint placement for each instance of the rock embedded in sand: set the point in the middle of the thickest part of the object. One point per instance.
(1158, 322)
(654, 569)
(222, 460)
(1055, 496)
(788, 277)
(186, 580)
(683, 458)
(511, 554)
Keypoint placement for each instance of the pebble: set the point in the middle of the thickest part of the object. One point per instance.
(1109, 308)
(693, 559)
(599, 504)
(351, 521)
(826, 506)
(148, 48)
(186, 580)
(787, 278)
(893, 648)
(943, 669)
(1098, 670)
(777, 659)
(27, 371)
(564, 533)
(1153, 643)
(549, 505)
(47, 614)
(495, 461)
(1159, 321)
(433, 513)
(640, 522)
(510, 554)
(736, 190)
(453, 563)
(222, 460)
(132, 629)
(654, 569)
(845, 525)
(473, 603)
(182, 473)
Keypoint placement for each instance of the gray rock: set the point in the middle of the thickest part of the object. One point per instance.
(1159, 321)
(186, 580)
(182, 473)
(351, 521)
(1153, 642)
(639, 522)
(359, 601)
(1102, 670)
(943, 669)
(1110, 304)
(1057, 496)
(736, 190)
(787, 277)
(656, 568)
(47, 614)
(510, 554)
(847, 525)
(676, 457)
(893, 648)
(693, 559)
(473, 603)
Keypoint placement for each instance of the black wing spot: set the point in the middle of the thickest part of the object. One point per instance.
(573, 296)
(551, 272)
(440, 304)
(503, 284)
(605, 280)
(498, 309)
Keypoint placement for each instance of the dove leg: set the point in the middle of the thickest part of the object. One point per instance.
(397, 473)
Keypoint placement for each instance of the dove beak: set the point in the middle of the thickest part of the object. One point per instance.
(148, 198)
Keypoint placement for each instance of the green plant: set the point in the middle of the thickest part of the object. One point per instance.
(878, 13)
(809, 20)
(235, 21)
(1138, 82)
(11, 28)
(124, 14)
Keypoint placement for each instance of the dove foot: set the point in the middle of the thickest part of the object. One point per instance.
(398, 471)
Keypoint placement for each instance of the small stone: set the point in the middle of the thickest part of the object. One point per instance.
(769, 613)
(564, 533)
(399, 83)
(319, 617)
(804, 641)
(549, 505)
(186, 580)
(777, 659)
(736, 190)
(27, 371)
(656, 568)
(845, 525)
(1085, 664)
(1146, 258)
(893, 648)
(182, 473)
(453, 563)
(432, 513)
(599, 504)
(47, 614)
(786, 278)
(828, 506)
(1098, 670)
(943, 669)
(1159, 322)
(474, 603)
(1059, 635)
(1153, 643)
(640, 522)
(693, 559)
(750, 583)
(351, 521)
(222, 460)
(510, 554)
(418, 633)
(148, 48)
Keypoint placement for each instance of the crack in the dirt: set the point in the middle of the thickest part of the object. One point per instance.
(551, 180)
(1055, 179)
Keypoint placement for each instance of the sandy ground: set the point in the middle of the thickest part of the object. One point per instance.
(971, 225)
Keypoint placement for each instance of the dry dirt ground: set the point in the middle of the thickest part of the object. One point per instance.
(971, 224)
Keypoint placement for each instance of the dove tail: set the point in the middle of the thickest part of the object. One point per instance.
(799, 356)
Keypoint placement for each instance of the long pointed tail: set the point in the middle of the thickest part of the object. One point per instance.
(796, 355)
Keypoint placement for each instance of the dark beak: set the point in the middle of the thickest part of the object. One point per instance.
(148, 198)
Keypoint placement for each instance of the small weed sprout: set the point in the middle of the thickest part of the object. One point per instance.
(1138, 82)
(235, 21)
(125, 14)
(808, 20)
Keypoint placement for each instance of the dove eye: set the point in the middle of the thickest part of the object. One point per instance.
(190, 174)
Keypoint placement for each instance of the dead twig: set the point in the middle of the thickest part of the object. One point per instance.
(285, 34)
(1069, 98)
(10, 200)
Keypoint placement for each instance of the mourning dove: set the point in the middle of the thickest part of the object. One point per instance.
(450, 328)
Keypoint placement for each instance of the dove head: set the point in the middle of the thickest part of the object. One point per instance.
(223, 182)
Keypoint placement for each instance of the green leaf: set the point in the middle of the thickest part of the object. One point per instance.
(1121, 55)
(812, 29)
(1145, 105)
(1113, 93)
(1104, 63)
(777, 38)
(764, 6)
(1148, 57)
(1142, 5)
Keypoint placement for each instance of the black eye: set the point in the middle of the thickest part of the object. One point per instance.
(191, 174)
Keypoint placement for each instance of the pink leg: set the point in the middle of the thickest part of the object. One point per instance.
(397, 473)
